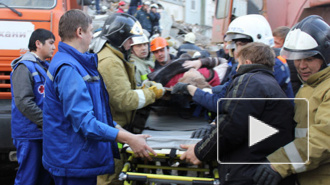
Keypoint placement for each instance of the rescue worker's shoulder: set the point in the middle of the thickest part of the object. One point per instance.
(108, 55)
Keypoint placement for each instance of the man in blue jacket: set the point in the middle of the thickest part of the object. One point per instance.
(79, 133)
(27, 86)
(145, 17)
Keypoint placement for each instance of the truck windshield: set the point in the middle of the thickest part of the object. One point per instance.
(30, 4)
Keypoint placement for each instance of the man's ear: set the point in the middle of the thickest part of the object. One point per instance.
(248, 62)
(79, 32)
(38, 44)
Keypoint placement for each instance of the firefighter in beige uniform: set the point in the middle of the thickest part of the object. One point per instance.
(119, 76)
(308, 44)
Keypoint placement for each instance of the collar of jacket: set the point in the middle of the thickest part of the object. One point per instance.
(113, 50)
(318, 77)
(27, 56)
(246, 68)
(147, 62)
(159, 66)
(87, 60)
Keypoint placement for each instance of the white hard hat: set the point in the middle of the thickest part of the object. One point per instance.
(154, 6)
(252, 26)
(140, 40)
(147, 3)
(190, 37)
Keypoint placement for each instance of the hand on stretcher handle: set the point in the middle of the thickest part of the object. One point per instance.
(137, 143)
(189, 155)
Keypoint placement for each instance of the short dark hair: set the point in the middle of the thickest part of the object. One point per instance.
(39, 34)
(258, 53)
(281, 31)
(71, 21)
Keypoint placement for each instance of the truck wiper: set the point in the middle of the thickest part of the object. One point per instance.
(12, 9)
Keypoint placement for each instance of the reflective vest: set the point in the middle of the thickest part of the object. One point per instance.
(21, 126)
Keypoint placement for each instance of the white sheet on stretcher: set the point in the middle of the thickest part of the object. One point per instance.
(169, 128)
(169, 139)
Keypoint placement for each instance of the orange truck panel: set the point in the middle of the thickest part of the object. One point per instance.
(16, 30)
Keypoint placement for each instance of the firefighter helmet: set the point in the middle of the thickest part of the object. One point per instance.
(251, 27)
(140, 40)
(309, 37)
(119, 27)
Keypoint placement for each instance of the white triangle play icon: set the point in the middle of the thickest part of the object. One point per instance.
(259, 131)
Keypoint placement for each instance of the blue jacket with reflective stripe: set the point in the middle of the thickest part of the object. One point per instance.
(21, 126)
(78, 127)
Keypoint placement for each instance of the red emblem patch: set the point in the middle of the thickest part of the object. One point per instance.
(41, 89)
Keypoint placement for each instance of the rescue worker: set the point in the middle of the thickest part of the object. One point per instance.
(307, 44)
(255, 28)
(155, 21)
(139, 56)
(79, 133)
(254, 79)
(159, 47)
(244, 29)
(188, 45)
(118, 74)
(27, 89)
(144, 17)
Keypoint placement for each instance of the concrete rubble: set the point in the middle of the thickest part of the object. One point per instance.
(172, 30)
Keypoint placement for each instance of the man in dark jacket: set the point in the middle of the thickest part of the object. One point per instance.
(254, 79)
(144, 17)
(155, 21)
(188, 45)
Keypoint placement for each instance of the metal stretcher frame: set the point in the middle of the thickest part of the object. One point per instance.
(129, 174)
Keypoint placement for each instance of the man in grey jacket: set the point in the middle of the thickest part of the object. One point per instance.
(27, 87)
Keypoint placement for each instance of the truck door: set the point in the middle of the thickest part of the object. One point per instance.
(18, 19)
(228, 10)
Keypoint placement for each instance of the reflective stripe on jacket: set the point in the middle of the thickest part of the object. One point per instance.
(119, 79)
(316, 171)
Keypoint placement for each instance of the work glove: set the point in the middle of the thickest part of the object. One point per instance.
(180, 88)
(265, 175)
(147, 83)
(158, 89)
(202, 131)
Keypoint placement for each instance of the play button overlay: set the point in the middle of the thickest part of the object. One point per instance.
(251, 129)
(258, 131)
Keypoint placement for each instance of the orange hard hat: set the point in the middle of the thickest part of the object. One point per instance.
(158, 43)
(121, 3)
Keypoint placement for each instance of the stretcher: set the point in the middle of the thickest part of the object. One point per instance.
(168, 129)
